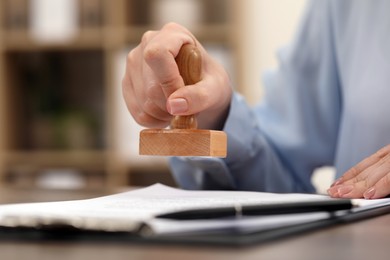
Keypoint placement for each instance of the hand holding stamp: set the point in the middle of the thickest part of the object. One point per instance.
(183, 139)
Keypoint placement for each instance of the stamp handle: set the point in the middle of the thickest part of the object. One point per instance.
(189, 62)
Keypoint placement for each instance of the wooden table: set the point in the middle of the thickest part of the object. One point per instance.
(368, 239)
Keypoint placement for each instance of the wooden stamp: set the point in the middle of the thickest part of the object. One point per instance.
(183, 139)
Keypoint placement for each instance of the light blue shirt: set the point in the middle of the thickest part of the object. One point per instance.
(327, 104)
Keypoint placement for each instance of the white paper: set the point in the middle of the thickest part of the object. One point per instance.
(127, 211)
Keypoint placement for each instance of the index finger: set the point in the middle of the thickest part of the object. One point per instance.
(160, 55)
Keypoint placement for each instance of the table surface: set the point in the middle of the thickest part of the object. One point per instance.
(360, 240)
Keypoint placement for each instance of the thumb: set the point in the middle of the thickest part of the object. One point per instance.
(191, 99)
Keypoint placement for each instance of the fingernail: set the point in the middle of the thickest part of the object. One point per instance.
(337, 182)
(177, 106)
(332, 192)
(342, 190)
(369, 193)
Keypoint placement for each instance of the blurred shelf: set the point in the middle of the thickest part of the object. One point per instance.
(22, 41)
(215, 33)
(51, 158)
(43, 82)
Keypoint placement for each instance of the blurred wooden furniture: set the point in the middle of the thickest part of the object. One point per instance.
(58, 100)
(360, 240)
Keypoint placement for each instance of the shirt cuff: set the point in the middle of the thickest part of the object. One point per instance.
(242, 128)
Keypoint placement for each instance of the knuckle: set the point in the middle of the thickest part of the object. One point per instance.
(383, 152)
(131, 56)
(147, 120)
(175, 27)
(352, 172)
(383, 185)
(147, 36)
(143, 119)
(366, 183)
(153, 110)
(153, 52)
(172, 26)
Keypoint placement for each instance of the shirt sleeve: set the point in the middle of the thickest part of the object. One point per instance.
(276, 145)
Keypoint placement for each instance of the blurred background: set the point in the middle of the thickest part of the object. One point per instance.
(64, 123)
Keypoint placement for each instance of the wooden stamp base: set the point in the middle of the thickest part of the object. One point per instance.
(183, 142)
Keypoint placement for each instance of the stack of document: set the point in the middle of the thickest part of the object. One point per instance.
(160, 210)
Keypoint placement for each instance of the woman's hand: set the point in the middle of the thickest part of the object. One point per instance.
(154, 90)
(369, 179)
